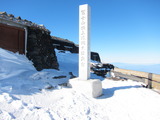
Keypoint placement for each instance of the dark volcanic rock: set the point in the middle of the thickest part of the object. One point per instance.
(40, 50)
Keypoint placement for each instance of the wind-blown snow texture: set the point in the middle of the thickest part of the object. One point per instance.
(26, 94)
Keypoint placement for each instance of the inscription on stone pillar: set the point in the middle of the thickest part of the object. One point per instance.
(84, 42)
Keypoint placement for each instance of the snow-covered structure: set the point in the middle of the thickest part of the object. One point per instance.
(64, 44)
(26, 37)
(33, 40)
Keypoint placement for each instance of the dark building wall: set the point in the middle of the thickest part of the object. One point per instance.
(12, 38)
(64, 44)
(40, 49)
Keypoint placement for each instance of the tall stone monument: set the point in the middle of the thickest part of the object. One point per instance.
(83, 84)
(84, 42)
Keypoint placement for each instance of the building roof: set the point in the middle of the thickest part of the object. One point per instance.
(17, 20)
(61, 39)
(23, 22)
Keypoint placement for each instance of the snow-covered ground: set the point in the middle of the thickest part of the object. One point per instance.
(26, 94)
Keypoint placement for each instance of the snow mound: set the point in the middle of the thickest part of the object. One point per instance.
(68, 62)
(13, 64)
(18, 75)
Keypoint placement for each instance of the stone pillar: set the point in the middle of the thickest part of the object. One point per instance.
(82, 84)
(84, 42)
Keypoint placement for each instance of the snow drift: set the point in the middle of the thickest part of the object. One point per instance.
(31, 95)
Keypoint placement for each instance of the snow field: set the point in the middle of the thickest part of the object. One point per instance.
(13, 108)
(26, 94)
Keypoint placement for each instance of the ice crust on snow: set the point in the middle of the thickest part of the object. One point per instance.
(25, 94)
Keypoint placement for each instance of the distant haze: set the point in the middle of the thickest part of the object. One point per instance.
(151, 68)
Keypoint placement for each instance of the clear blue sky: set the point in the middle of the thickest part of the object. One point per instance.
(125, 31)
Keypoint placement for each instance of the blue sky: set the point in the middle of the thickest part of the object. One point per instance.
(125, 31)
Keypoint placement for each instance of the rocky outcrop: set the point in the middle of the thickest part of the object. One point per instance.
(40, 49)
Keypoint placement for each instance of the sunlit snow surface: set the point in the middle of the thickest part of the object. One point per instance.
(26, 94)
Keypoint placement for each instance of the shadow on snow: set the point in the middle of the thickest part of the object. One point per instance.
(109, 92)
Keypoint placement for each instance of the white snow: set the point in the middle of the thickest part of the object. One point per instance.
(27, 94)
